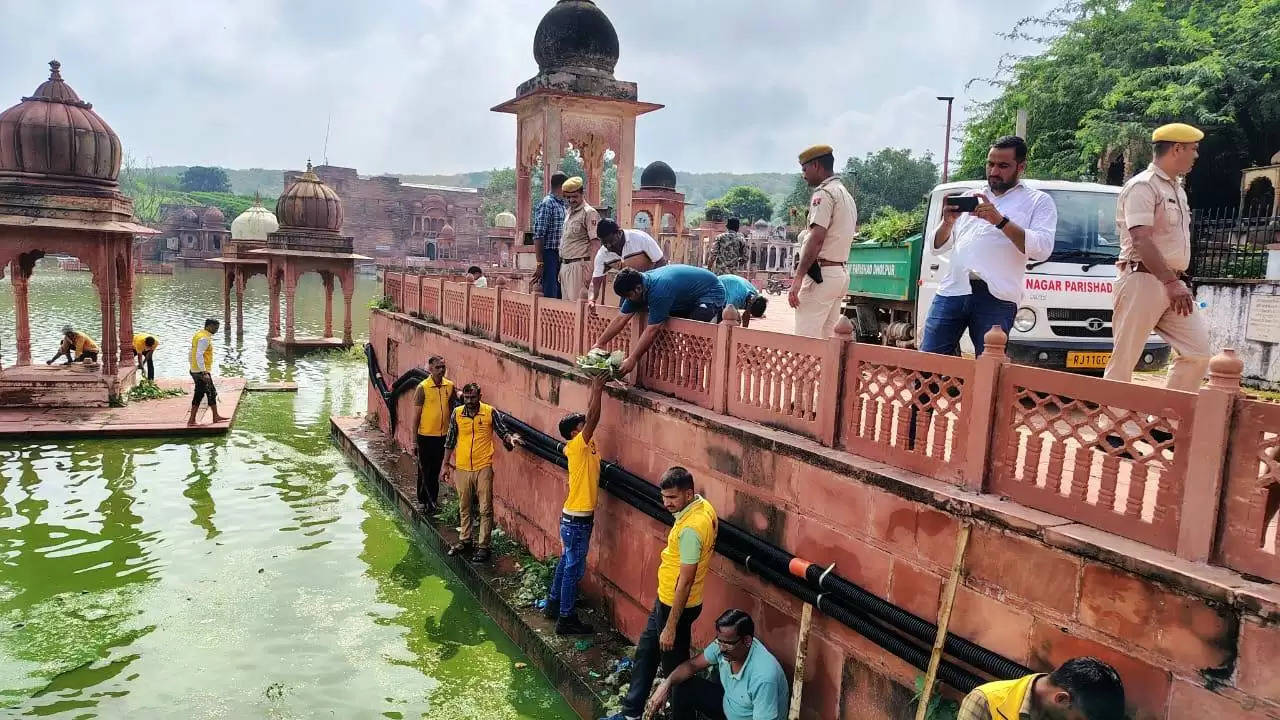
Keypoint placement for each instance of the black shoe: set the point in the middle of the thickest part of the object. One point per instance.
(461, 548)
(482, 555)
(552, 610)
(571, 625)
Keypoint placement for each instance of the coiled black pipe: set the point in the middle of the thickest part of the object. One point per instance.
(834, 595)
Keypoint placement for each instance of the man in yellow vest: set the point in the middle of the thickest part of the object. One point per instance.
(201, 358)
(1081, 689)
(436, 399)
(577, 518)
(77, 346)
(472, 428)
(682, 570)
(144, 348)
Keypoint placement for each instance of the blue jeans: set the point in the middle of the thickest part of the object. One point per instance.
(551, 273)
(575, 535)
(950, 317)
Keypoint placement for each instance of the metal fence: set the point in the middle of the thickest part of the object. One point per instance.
(1226, 243)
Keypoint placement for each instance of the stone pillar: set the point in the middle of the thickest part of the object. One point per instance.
(625, 158)
(524, 209)
(291, 297)
(273, 289)
(327, 279)
(593, 164)
(105, 273)
(21, 310)
(228, 277)
(124, 267)
(552, 145)
(239, 281)
(348, 290)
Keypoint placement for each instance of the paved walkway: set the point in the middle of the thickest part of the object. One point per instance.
(167, 416)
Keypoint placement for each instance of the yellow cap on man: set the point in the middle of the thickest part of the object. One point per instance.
(573, 184)
(1177, 132)
(815, 152)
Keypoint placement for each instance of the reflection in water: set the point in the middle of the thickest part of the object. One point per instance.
(244, 576)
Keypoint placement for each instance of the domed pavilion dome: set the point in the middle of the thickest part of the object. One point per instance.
(213, 218)
(256, 223)
(188, 217)
(504, 220)
(576, 34)
(310, 204)
(55, 134)
(658, 176)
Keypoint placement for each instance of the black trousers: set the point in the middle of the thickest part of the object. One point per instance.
(430, 458)
(147, 363)
(648, 654)
(707, 697)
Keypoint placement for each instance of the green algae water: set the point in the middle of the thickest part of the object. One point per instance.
(246, 576)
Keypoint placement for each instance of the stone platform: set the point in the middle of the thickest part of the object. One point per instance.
(74, 385)
(303, 345)
(167, 416)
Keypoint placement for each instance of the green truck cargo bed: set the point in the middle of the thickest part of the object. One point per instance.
(886, 272)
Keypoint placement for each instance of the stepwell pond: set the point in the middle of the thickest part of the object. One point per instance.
(245, 576)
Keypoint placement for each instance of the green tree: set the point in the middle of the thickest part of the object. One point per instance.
(500, 194)
(795, 207)
(891, 178)
(205, 179)
(744, 202)
(1112, 70)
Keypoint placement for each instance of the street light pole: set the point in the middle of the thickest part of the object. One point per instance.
(946, 152)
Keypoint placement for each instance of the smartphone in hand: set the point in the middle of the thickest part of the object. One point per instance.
(961, 203)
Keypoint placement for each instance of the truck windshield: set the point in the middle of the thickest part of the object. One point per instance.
(1086, 226)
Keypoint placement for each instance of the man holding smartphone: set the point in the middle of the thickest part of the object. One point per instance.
(991, 236)
(833, 219)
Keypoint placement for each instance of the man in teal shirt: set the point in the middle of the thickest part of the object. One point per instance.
(740, 293)
(752, 683)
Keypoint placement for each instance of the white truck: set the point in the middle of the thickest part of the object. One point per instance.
(1064, 319)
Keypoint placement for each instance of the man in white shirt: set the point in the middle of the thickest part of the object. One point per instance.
(990, 248)
(476, 276)
(622, 248)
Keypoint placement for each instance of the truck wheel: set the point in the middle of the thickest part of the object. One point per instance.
(866, 324)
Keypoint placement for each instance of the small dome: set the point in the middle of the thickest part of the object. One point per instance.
(256, 223)
(447, 232)
(760, 224)
(310, 204)
(658, 176)
(213, 218)
(55, 133)
(188, 217)
(504, 220)
(575, 34)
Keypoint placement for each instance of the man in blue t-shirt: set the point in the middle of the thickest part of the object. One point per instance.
(680, 291)
(752, 685)
(740, 293)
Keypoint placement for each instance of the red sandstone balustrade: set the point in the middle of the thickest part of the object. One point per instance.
(412, 294)
(785, 381)
(430, 303)
(688, 360)
(392, 287)
(597, 319)
(516, 311)
(1248, 536)
(453, 304)
(482, 312)
(559, 328)
(908, 409)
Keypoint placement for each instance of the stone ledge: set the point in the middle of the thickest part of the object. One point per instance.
(1214, 583)
(389, 469)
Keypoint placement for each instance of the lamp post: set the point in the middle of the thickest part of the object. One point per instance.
(946, 152)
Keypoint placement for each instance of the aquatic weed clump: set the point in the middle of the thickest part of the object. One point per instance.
(148, 390)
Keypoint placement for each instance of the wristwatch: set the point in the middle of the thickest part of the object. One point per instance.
(1003, 221)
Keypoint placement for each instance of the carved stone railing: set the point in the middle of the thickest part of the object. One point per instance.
(453, 305)
(516, 314)
(785, 381)
(482, 312)
(559, 328)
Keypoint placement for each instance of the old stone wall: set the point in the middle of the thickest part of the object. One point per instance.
(1191, 641)
(1226, 306)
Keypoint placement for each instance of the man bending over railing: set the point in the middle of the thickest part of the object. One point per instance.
(681, 291)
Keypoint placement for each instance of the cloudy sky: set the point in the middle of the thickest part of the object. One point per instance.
(409, 84)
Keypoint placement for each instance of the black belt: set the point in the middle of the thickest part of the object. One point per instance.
(568, 261)
(577, 519)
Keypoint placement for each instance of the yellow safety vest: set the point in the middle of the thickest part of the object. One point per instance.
(208, 351)
(474, 450)
(1005, 697)
(433, 421)
(700, 516)
(140, 343)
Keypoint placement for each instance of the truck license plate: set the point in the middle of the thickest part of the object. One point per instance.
(1091, 360)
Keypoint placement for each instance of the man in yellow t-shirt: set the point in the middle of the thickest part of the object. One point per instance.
(77, 346)
(578, 515)
(144, 348)
(472, 428)
(1080, 689)
(682, 570)
(435, 399)
(201, 359)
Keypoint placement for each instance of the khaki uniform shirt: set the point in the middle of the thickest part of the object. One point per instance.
(832, 207)
(1154, 199)
(579, 231)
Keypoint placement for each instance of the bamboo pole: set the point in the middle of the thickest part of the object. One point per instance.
(944, 618)
(802, 651)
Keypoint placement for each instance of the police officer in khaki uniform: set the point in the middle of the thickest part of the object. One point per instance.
(1154, 222)
(833, 218)
(578, 243)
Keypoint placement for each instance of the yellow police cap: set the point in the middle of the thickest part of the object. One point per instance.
(573, 184)
(1177, 132)
(817, 151)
